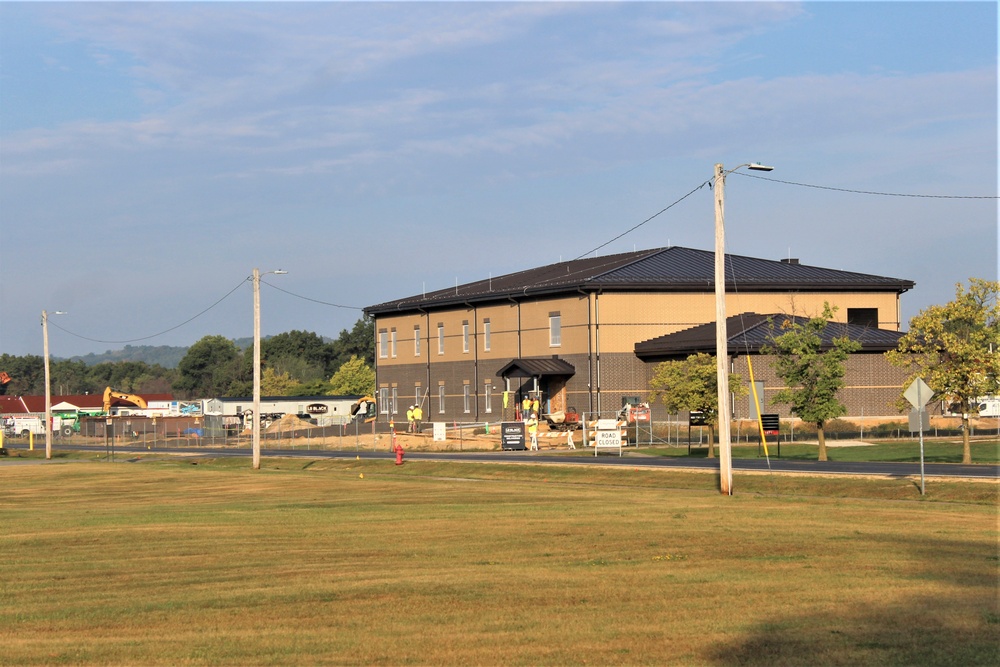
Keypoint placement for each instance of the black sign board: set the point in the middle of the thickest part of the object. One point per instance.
(512, 436)
(770, 423)
(696, 418)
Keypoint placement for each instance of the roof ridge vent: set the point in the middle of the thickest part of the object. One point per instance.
(790, 260)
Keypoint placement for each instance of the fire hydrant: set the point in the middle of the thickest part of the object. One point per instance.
(399, 454)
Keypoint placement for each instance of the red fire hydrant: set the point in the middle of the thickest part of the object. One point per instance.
(399, 454)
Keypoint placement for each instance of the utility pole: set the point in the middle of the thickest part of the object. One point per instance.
(721, 335)
(255, 427)
(48, 384)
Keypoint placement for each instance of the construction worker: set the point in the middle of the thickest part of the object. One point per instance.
(418, 417)
(409, 419)
(533, 431)
(526, 408)
(534, 405)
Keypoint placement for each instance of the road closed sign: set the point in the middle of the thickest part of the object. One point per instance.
(608, 438)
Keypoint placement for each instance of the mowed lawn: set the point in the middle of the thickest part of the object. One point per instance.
(177, 563)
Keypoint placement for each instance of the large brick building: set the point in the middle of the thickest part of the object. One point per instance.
(584, 332)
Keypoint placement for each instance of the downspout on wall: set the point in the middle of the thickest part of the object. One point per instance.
(590, 350)
(597, 344)
(426, 344)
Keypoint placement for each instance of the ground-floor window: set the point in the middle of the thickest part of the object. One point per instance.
(441, 399)
(488, 396)
(466, 396)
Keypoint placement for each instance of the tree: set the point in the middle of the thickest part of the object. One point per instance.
(353, 378)
(304, 355)
(273, 383)
(955, 348)
(812, 375)
(208, 368)
(27, 374)
(692, 385)
(359, 342)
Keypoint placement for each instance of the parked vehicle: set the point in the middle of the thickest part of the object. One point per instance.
(23, 426)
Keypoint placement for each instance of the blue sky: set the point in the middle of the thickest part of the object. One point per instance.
(151, 155)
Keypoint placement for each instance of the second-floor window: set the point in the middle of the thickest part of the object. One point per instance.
(440, 339)
(383, 344)
(416, 341)
(486, 335)
(392, 343)
(555, 330)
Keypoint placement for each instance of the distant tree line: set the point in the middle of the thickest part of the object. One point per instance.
(292, 363)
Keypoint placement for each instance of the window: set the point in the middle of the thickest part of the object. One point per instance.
(440, 339)
(395, 408)
(864, 317)
(466, 396)
(486, 336)
(465, 336)
(392, 342)
(416, 395)
(555, 330)
(441, 399)
(383, 344)
(383, 400)
(416, 341)
(488, 396)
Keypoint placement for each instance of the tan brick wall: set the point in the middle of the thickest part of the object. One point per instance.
(628, 318)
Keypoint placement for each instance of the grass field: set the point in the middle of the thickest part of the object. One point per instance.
(206, 562)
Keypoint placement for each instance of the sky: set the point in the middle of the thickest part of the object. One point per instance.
(152, 155)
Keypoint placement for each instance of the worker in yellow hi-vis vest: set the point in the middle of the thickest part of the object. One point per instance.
(526, 407)
(533, 431)
(418, 417)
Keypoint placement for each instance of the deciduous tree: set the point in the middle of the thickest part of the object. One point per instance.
(353, 378)
(955, 348)
(691, 385)
(812, 375)
(208, 368)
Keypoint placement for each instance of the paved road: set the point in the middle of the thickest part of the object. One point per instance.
(979, 471)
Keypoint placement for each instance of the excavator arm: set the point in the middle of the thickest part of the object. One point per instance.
(109, 393)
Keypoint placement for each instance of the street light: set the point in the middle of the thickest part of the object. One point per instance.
(48, 388)
(255, 428)
(721, 336)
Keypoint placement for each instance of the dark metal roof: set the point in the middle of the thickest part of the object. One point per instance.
(537, 367)
(749, 332)
(661, 269)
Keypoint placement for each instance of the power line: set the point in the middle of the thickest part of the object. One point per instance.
(135, 340)
(862, 192)
(306, 298)
(632, 229)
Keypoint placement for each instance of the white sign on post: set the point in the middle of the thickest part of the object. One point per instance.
(918, 393)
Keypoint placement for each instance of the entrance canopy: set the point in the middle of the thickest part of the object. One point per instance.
(540, 368)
